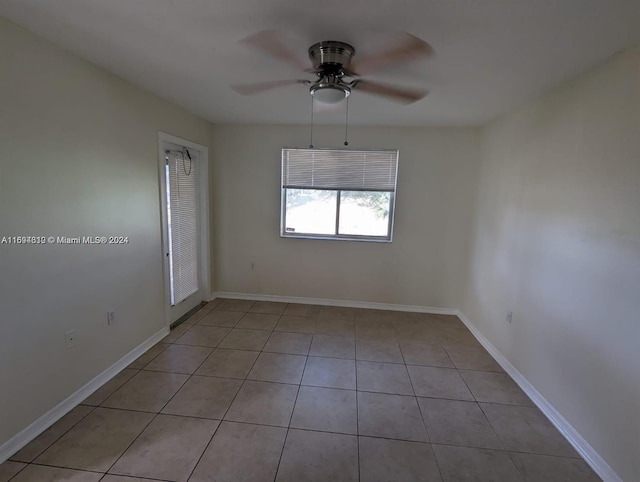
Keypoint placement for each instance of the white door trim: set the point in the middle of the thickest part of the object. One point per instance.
(205, 246)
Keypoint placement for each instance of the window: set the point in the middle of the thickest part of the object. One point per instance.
(338, 194)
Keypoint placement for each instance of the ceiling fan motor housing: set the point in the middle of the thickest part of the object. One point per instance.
(331, 56)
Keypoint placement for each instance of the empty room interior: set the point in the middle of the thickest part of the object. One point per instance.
(337, 241)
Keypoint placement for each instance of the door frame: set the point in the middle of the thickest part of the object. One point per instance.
(205, 246)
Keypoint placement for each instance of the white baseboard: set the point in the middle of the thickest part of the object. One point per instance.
(329, 302)
(586, 451)
(26, 435)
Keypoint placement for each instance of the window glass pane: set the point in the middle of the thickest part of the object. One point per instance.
(364, 213)
(310, 211)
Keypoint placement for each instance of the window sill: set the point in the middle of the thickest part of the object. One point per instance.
(370, 239)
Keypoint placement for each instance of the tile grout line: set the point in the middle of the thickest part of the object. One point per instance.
(293, 409)
(222, 419)
(159, 412)
(415, 396)
(143, 367)
(495, 432)
(422, 415)
(435, 457)
(19, 471)
(424, 422)
(284, 443)
(492, 427)
(56, 440)
(155, 415)
(57, 467)
(151, 479)
(522, 475)
(343, 433)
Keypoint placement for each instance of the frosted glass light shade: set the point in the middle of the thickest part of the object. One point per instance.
(329, 94)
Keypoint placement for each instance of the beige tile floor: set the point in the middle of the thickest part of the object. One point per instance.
(262, 391)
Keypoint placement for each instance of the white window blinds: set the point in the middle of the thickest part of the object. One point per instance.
(182, 182)
(339, 169)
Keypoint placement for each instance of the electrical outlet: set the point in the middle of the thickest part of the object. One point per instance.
(70, 338)
(509, 316)
(111, 317)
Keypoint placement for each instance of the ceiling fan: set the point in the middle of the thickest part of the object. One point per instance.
(337, 75)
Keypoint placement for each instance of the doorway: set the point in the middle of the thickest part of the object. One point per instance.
(185, 228)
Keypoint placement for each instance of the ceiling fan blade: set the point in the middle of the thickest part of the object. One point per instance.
(410, 48)
(275, 44)
(404, 95)
(248, 89)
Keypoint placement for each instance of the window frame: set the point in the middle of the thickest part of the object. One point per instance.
(337, 236)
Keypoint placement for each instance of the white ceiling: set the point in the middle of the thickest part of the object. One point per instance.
(491, 55)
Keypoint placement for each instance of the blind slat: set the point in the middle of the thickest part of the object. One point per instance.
(339, 169)
(183, 228)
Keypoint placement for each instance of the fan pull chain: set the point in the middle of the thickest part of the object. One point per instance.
(346, 125)
(311, 137)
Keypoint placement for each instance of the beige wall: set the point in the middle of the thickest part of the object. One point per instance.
(78, 156)
(424, 264)
(556, 239)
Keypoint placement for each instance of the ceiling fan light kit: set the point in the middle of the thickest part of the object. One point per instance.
(329, 93)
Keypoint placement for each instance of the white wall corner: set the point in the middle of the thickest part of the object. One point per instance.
(29, 433)
(586, 451)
